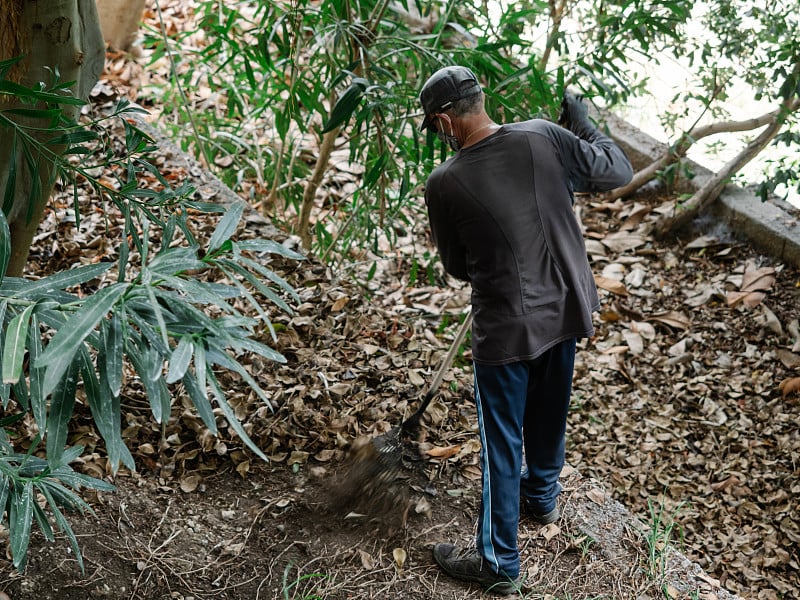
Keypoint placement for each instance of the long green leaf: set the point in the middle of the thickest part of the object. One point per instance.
(201, 292)
(42, 521)
(162, 325)
(157, 392)
(226, 226)
(5, 244)
(5, 490)
(104, 406)
(20, 519)
(230, 416)
(15, 344)
(176, 260)
(38, 397)
(200, 399)
(52, 283)
(346, 104)
(223, 360)
(78, 136)
(62, 348)
(200, 366)
(180, 359)
(252, 345)
(270, 246)
(112, 346)
(61, 522)
(61, 405)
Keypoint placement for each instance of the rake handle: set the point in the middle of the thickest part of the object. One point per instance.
(412, 422)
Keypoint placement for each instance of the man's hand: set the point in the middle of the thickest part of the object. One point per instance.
(574, 114)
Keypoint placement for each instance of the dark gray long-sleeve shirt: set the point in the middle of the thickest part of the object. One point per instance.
(501, 216)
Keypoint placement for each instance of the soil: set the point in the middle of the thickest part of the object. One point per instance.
(273, 535)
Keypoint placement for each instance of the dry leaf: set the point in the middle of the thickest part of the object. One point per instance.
(400, 557)
(190, 483)
(789, 386)
(324, 455)
(725, 484)
(611, 285)
(443, 451)
(550, 531)
(366, 560)
(298, 456)
(340, 304)
(423, 507)
(471, 472)
(758, 279)
(790, 360)
(622, 242)
(597, 496)
(672, 318)
(243, 468)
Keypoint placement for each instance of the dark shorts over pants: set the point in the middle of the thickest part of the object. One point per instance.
(530, 398)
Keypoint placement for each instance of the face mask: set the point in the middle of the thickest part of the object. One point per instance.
(450, 140)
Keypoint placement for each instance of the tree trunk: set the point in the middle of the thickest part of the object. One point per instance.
(119, 21)
(52, 34)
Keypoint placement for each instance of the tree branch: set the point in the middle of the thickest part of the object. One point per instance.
(677, 151)
(714, 186)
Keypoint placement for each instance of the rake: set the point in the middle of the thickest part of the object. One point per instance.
(371, 482)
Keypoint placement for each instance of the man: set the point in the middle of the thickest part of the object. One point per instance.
(501, 216)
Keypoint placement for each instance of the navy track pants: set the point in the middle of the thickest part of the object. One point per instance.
(522, 404)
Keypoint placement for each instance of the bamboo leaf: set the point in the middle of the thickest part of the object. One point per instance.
(200, 365)
(270, 246)
(261, 349)
(38, 397)
(19, 522)
(61, 350)
(275, 278)
(346, 105)
(156, 389)
(230, 416)
(61, 404)
(180, 359)
(105, 409)
(5, 490)
(201, 402)
(112, 346)
(73, 137)
(223, 360)
(5, 242)
(162, 325)
(48, 285)
(15, 345)
(226, 226)
(62, 522)
(176, 260)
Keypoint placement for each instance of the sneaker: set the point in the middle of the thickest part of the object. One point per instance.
(468, 565)
(541, 518)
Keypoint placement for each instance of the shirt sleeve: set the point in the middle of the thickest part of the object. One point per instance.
(443, 231)
(594, 163)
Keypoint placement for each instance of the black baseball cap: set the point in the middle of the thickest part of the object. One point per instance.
(443, 88)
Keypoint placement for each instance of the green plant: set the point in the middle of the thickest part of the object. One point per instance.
(23, 476)
(300, 585)
(160, 309)
(659, 536)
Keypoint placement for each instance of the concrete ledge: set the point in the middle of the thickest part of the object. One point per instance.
(610, 525)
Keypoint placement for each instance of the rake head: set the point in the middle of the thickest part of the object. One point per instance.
(373, 482)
